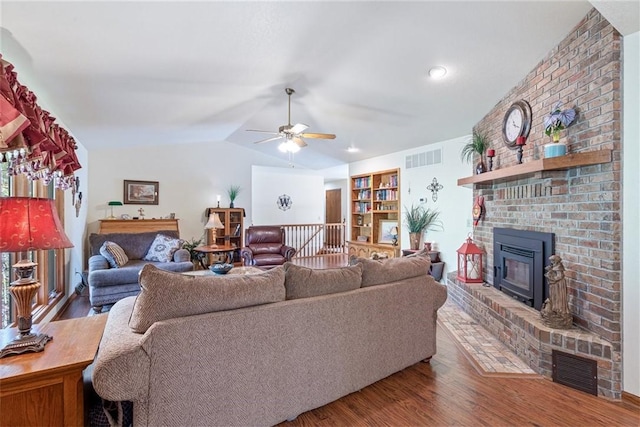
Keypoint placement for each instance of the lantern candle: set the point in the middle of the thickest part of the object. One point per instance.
(491, 153)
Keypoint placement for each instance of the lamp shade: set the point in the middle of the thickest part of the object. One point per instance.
(214, 222)
(115, 203)
(28, 224)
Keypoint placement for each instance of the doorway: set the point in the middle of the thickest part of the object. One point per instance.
(333, 215)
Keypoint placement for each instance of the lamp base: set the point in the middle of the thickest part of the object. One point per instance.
(24, 344)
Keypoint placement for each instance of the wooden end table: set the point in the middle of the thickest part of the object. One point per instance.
(46, 388)
(214, 249)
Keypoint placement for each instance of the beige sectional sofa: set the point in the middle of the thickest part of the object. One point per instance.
(251, 350)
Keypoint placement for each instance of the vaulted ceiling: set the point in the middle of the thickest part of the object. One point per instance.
(153, 72)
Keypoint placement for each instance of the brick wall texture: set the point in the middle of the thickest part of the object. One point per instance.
(581, 205)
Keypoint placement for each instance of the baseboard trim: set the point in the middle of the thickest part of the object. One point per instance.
(631, 398)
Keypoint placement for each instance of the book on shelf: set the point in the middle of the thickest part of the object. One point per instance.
(236, 232)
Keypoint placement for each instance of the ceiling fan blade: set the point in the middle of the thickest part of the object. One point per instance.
(268, 139)
(298, 128)
(263, 131)
(299, 141)
(319, 135)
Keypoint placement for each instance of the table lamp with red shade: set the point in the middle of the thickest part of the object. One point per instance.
(28, 224)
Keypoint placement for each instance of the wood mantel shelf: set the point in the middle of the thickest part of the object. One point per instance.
(551, 164)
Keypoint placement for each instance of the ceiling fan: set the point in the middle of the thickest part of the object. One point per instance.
(292, 134)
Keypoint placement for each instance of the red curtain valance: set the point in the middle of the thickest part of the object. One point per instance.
(30, 140)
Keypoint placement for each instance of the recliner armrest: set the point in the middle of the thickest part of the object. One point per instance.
(98, 262)
(287, 252)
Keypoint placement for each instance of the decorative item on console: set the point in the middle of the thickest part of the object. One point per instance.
(434, 187)
(470, 260)
(555, 309)
(30, 142)
(555, 122)
(478, 144)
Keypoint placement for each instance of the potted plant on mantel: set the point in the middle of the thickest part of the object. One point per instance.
(555, 122)
(478, 144)
(232, 192)
(419, 220)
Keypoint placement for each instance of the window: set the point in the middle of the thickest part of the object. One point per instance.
(50, 269)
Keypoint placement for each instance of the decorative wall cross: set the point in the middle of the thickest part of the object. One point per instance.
(434, 187)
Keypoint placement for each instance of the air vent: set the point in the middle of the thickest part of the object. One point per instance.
(575, 372)
(425, 158)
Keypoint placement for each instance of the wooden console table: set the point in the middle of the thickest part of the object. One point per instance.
(46, 388)
(136, 225)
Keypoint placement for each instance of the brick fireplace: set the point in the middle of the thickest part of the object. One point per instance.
(579, 205)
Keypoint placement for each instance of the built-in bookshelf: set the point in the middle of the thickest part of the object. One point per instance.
(375, 204)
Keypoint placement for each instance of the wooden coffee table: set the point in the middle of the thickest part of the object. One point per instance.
(46, 388)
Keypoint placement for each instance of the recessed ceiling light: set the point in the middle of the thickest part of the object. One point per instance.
(353, 149)
(437, 72)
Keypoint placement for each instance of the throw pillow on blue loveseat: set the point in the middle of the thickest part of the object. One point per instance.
(114, 254)
(163, 248)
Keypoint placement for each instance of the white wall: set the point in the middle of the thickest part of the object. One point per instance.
(190, 177)
(304, 187)
(454, 203)
(630, 221)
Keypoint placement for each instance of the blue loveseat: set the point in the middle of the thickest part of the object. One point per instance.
(108, 285)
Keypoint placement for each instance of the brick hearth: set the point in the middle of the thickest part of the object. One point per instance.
(581, 206)
(519, 327)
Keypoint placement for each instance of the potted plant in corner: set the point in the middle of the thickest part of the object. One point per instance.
(555, 122)
(232, 192)
(419, 220)
(478, 144)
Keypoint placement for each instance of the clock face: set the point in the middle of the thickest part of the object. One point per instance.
(517, 122)
(513, 125)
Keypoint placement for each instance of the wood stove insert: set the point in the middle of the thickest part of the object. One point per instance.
(520, 258)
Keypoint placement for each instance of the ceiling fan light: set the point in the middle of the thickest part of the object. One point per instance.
(289, 147)
(437, 72)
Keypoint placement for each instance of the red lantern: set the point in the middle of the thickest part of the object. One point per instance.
(470, 263)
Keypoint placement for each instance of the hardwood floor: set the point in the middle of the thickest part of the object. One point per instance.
(448, 391)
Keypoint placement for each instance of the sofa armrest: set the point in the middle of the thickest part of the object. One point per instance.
(287, 252)
(181, 255)
(247, 256)
(121, 369)
(98, 262)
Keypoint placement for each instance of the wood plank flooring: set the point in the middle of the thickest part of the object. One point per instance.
(449, 392)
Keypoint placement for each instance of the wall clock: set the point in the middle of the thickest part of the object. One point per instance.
(517, 122)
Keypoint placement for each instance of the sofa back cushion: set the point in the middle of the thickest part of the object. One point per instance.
(167, 295)
(377, 272)
(135, 245)
(303, 282)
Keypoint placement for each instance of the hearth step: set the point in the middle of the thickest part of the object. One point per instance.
(575, 371)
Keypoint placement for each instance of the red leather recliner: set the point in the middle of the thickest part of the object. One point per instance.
(265, 248)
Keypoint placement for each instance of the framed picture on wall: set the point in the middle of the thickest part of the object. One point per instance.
(385, 230)
(140, 192)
